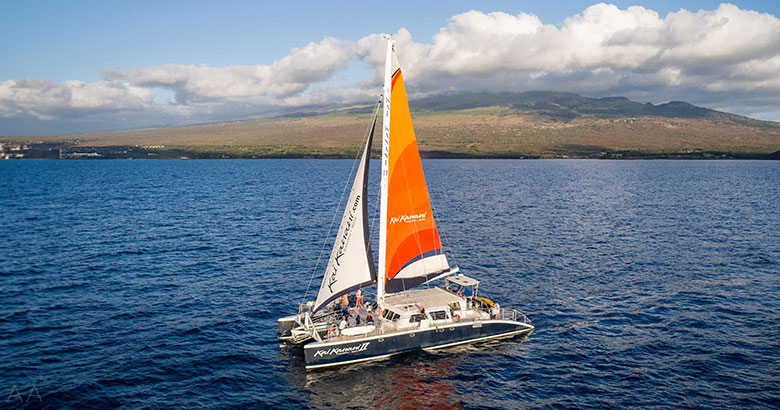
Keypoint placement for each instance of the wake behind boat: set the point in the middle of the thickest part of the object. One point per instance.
(340, 328)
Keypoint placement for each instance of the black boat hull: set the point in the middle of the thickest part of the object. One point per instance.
(330, 353)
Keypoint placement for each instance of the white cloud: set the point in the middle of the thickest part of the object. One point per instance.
(290, 75)
(46, 99)
(603, 36)
(703, 56)
(709, 57)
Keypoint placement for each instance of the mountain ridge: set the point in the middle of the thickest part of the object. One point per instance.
(537, 124)
(566, 105)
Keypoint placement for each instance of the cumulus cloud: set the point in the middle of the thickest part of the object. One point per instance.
(704, 57)
(727, 58)
(682, 48)
(46, 99)
(288, 76)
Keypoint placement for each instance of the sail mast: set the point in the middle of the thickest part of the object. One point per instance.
(380, 282)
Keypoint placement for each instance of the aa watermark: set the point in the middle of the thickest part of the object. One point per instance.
(17, 394)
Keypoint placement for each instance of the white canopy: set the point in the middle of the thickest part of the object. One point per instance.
(463, 280)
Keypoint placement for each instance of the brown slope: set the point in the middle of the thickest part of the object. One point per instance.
(488, 131)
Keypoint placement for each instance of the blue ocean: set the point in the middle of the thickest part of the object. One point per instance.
(157, 284)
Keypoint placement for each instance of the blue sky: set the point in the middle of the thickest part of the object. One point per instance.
(115, 65)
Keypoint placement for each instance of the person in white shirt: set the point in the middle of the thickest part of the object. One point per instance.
(342, 325)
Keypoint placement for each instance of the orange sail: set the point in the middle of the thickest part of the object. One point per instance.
(414, 251)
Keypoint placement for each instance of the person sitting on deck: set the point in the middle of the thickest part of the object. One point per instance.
(370, 317)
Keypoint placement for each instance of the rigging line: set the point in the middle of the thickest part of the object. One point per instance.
(435, 228)
(376, 212)
(443, 239)
(327, 236)
(376, 203)
(379, 195)
(417, 231)
(333, 220)
(411, 206)
(415, 222)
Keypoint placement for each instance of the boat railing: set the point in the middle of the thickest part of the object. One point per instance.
(505, 314)
(515, 315)
(303, 307)
(383, 327)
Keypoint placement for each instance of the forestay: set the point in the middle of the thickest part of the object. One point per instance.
(351, 263)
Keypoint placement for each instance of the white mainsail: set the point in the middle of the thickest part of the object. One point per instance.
(351, 263)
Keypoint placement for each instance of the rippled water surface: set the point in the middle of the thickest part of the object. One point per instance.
(157, 284)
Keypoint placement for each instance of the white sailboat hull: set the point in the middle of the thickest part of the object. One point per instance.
(293, 330)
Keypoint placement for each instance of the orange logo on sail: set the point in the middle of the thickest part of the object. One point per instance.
(408, 218)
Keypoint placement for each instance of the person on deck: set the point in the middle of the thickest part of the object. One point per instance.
(378, 317)
(362, 311)
(342, 325)
(370, 318)
(351, 299)
(359, 299)
(495, 311)
(332, 330)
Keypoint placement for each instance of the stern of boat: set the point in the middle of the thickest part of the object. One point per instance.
(286, 325)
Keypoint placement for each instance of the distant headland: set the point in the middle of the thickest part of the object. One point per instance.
(536, 124)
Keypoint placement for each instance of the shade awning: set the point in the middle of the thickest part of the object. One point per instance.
(462, 280)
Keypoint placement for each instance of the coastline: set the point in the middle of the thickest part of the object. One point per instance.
(66, 151)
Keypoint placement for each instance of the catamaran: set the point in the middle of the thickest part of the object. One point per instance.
(405, 316)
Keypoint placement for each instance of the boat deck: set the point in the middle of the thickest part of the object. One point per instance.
(425, 298)
(383, 326)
